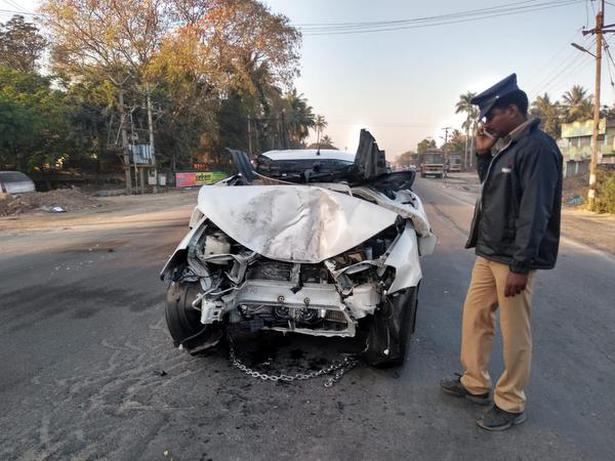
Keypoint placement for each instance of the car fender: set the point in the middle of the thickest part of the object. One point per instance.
(179, 252)
(404, 257)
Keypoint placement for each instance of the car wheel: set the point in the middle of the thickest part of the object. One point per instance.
(389, 329)
(184, 321)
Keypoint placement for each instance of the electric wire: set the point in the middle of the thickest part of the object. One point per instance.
(540, 78)
(405, 21)
(570, 59)
(610, 64)
(560, 83)
(572, 69)
(22, 13)
(463, 17)
(14, 5)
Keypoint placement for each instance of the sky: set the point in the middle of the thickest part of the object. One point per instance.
(403, 85)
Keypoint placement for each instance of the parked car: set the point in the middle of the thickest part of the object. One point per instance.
(15, 182)
(315, 242)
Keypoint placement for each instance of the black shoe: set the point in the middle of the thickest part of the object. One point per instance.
(496, 419)
(454, 387)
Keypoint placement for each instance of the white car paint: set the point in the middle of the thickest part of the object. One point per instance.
(302, 224)
(310, 154)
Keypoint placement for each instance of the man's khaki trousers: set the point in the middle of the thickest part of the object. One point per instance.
(485, 295)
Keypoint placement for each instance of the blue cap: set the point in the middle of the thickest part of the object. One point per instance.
(487, 99)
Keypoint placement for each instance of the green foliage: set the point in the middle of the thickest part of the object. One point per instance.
(33, 120)
(456, 143)
(406, 159)
(550, 114)
(21, 45)
(577, 104)
(425, 144)
(300, 118)
(209, 68)
(325, 143)
(605, 193)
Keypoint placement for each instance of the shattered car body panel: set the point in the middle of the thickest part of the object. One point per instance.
(329, 253)
(293, 223)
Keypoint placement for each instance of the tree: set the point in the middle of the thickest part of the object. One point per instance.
(205, 67)
(320, 123)
(549, 113)
(117, 39)
(406, 160)
(469, 125)
(300, 117)
(325, 143)
(577, 104)
(34, 123)
(427, 143)
(21, 45)
(456, 142)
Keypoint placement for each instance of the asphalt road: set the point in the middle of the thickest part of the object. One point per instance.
(88, 370)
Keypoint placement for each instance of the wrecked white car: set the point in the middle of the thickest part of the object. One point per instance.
(323, 243)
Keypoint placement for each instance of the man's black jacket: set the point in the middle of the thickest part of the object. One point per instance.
(517, 217)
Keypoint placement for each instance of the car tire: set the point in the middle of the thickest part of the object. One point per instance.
(184, 321)
(390, 328)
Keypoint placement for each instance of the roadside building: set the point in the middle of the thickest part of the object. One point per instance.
(576, 145)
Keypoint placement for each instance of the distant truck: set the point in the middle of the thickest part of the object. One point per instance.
(433, 163)
(454, 163)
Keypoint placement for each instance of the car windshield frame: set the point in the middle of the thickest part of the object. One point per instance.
(304, 169)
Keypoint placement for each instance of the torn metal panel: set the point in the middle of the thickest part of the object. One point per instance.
(370, 161)
(406, 204)
(403, 257)
(243, 164)
(293, 223)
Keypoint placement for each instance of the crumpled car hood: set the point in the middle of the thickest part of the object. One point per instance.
(304, 224)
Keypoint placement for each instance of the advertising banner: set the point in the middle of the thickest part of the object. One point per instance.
(198, 178)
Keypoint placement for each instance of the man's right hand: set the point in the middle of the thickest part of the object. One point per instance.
(484, 142)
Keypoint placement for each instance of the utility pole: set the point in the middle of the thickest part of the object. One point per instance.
(150, 126)
(125, 148)
(599, 30)
(446, 134)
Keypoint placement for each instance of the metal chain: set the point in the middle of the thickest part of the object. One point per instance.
(336, 369)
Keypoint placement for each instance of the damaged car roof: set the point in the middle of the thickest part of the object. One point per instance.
(310, 154)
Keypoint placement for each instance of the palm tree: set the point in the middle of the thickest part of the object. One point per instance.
(469, 125)
(577, 104)
(549, 113)
(327, 142)
(320, 124)
(300, 117)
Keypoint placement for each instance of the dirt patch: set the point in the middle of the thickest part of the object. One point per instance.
(53, 201)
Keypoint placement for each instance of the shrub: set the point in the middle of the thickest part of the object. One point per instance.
(605, 192)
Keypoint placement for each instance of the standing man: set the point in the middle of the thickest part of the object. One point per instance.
(515, 231)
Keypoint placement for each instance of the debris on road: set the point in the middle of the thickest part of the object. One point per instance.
(575, 200)
(55, 201)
